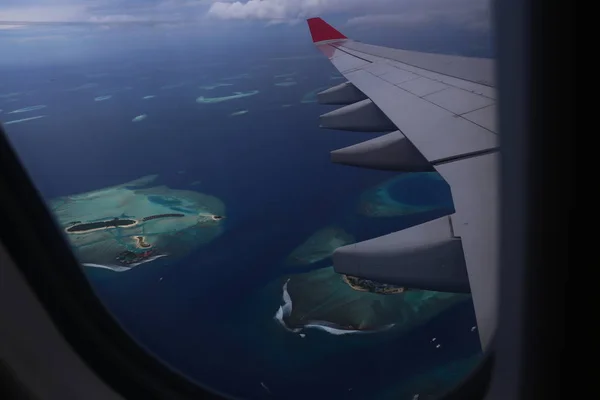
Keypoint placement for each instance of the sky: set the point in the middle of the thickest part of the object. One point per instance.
(38, 31)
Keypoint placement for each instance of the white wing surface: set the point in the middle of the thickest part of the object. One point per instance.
(437, 112)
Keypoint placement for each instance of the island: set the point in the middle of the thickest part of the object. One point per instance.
(319, 246)
(18, 121)
(139, 118)
(235, 95)
(102, 98)
(141, 243)
(367, 285)
(325, 300)
(27, 109)
(215, 85)
(136, 222)
(11, 95)
(339, 304)
(408, 193)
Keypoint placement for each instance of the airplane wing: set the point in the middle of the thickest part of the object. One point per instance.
(439, 114)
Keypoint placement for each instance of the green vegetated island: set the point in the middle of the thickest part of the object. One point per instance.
(319, 246)
(133, 223)
(235, 95)
(339, 304)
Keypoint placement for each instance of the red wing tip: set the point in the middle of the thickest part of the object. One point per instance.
(321, 30)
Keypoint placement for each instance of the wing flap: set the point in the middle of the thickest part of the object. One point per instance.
(362, 116)
(427, 256)
(391, 152)
(342, 94)
(473, 183)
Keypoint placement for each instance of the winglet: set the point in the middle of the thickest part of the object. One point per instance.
(322, 31)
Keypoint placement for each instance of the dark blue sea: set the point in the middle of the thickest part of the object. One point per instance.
(210, 316)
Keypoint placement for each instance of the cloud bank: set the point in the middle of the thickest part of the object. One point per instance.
(471, 14)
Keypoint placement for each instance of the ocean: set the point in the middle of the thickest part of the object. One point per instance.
(210, 314)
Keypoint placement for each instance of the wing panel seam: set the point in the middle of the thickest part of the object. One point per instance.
(425, 69)
(353, 55)
(434, 104)
(422, 76)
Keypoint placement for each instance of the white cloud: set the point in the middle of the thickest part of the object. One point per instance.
(274, 9)
(467, 13)
(390, 19)
(473, 14)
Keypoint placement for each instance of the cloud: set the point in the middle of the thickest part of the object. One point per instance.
(359, 14)
(468, 13)
(273, 9)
